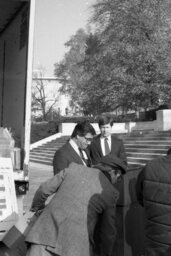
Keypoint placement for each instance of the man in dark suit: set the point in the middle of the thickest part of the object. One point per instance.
(105, 143)
(74, 151)
(83, 197)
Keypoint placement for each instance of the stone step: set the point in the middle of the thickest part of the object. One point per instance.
(41, 159)
(44, 149)
(132, 148)
(149, 132)
(144, 141)
(41, 162)
(133, 164)
(159, 134)
(56, 141)
(131, 161)
(159, 138)
(53, 145)
(146, 150)
(140, 147)
(49, 147)
(137, 157)
(138, 160)
(46, 157)
(49, 151)
(146, 146)
(146, 155)
(35, 154)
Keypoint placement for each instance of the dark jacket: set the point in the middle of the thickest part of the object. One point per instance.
(154, 193)
(68, 222)
(117, 149)
(65, 156)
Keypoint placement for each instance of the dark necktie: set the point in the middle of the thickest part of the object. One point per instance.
(82, 157)
(107, 149)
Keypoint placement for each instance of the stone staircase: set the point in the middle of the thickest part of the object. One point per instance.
(140, 147)
(44, 154)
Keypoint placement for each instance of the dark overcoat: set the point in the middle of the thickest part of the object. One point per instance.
(154, 192)
(67, 223)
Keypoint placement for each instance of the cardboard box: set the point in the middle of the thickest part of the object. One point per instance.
(18, 231)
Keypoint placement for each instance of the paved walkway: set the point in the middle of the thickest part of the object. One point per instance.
(38, 173)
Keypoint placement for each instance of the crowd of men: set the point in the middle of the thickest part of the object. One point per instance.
(80, 219)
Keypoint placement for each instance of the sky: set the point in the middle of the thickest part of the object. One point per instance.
(55, 22)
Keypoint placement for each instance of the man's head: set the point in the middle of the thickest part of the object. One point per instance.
(83, 134)
(112, 166)
(105, 126)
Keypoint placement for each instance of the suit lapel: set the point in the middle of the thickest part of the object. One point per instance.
(113, 144)
(70, 151)
(98, 145)
(89, 158)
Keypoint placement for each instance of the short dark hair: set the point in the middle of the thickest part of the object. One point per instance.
(169, 151)
(105, 120)
(82, 129)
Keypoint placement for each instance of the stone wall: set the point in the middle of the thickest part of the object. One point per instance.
(162, 123)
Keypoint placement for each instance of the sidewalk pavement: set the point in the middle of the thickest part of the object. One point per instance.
(38, 173)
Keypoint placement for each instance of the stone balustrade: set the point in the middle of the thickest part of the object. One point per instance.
(162, 123)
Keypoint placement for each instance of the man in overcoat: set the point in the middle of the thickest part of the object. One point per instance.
(83, 196)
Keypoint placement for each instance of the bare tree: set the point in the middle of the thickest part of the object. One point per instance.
(44, 97)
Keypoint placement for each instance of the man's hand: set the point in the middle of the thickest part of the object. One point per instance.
(28, 216)
(114, 176)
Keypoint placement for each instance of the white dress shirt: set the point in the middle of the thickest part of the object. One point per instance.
(75, 147)
(102, 141)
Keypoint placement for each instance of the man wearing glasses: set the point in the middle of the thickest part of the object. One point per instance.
(74, 151)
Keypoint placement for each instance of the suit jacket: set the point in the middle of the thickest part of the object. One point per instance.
(66, 155)
(117, 149)
(66, 225)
